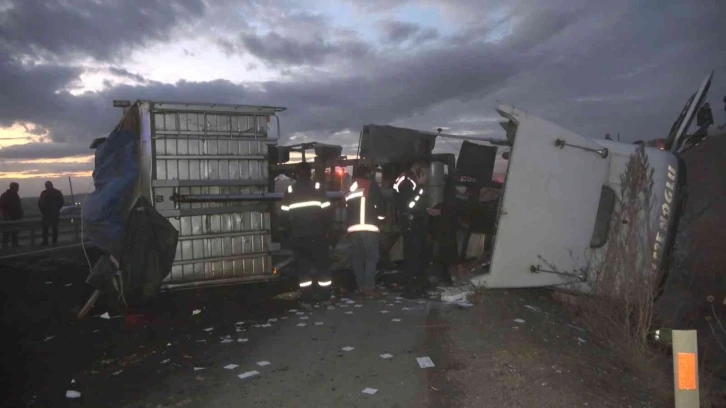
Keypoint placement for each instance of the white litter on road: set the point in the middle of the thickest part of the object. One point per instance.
(384, 311)
(341, 305)
(348, 348)
(240, 330)
(105, 316)
(581, 340)
(395, 320)
(300, 313)
(575, 327)
(405, 308)
(304, 318)
(199, 368)
(69, 284)
(165, 361)
(73, 394)
(369, 391)
(292, 310)
(386, 355)
(530, 307)
(301, 325)
(48, 282)
(399, 298)
(318, 323)
(358, 306)
(269, 325)
(272, 320)
(331, 307)
(263, 363)
(518, 321)
(231, 366)
(242, 340)
(283, 317)
(349, 313)
(117, 373)
(196, 312)
(425, 362)
(396, 301)
(239, 323)
(227, 341)
(208, 329)
(49, 338)
(248, 374)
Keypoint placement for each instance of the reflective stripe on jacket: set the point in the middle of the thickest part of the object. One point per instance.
(305, 203)
(364, 208)
(408, 195)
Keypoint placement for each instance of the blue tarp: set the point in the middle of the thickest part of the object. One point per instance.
(114, 177)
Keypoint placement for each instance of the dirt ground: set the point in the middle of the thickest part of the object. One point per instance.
(483, 357)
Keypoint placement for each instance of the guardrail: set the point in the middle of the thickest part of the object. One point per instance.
(30, 234)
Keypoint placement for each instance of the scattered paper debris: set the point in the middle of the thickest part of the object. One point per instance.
(386, 355)
(395, 320)
(230, 366)
(263, 363)
(369, 391)
(382, 301)
(283, 317)
(342, 305)
(318, 323)
(68, 284)
(390, 305)
(331, 307)
(421, 302)
(396, 301)
(49, 338)
(168, 344)
(201, 341)
(239, 323)
(73, 394)
(248, 374)
(518, 321)
(581, 340)
(73, 380)
(48, 282)
(242, 340)
(575, 327)
(274, 319)
(227, 341)
(301, 325)
(348, 348)
(344, 299)
(405, 308)
(165, 361)
(196, 312)
(435, 389)
(530, 307)
(292, 310)
(462, 305)
(399, 298)
(384, 311)
(349, 313)
(105, 316)
(300, 313)
(208, 329)
(358, 305)
(117, 373)
(269, 325)
(240, 330)
(425, 362)
(96, 331)
(304, 318)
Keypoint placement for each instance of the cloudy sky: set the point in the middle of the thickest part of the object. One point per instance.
(594, 67)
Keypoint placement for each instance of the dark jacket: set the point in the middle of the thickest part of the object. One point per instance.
(410, 199)
(10, 206)
(364, 192)
(307, 210)
(50, 203)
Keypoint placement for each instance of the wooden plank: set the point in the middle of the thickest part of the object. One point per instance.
(685, 368)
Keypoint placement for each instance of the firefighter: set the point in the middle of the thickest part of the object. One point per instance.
(409, 193)
(364, 211)
(308, 221)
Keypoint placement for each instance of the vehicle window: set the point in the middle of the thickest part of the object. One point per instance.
(602, 220)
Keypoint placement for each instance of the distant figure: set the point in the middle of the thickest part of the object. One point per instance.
(50, 203)
(607, 136)
(12, 210)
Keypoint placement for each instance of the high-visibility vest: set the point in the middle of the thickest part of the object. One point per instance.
(306, 205)
(415, 193)
(357, 200)
(304, 198)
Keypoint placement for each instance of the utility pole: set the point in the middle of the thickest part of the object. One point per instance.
(73, 198)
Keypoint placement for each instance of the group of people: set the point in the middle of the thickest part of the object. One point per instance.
(309, 218)
(11, 209)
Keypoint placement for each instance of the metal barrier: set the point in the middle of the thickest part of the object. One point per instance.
(30, 234)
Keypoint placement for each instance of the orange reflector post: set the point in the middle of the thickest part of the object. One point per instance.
(687, 371)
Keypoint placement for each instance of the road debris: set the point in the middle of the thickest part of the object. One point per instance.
(73, 394)
(518, 321)
(530, 307)
(239, 323)
(318, 323)
(576, 328)
(395, 320)
(117, 373)
(369, 391)
(242, 340)
(273, 319)
(165, 361)
(199, 368)
(263, 363)
(230, 366)
(248, 374)
(208, 329)
(384, 311)
(49, 338)
(349, 313)
(304, 318)
(581, 340)
(348, 348)
(105, 316)
(196, 312)
(405, 308)
(386, 355)
(301, 325)
(227, 341)
(269, 325)
(331, 307)
(425, 362)
(358, 305)
(292, 310)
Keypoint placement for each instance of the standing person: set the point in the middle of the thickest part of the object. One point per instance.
(363, 213)
(409, 193)
(50, 203)
(444, 223)
(308, 222)
(12, 210)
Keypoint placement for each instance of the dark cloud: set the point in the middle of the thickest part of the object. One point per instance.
(100, 29)
(31, 151)
(396, 32)
(606, 68)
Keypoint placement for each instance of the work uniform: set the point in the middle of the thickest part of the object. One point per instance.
(412, 220)
(363, 213)
(308, 222)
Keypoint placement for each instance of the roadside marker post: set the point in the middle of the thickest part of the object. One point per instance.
(685, 368)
